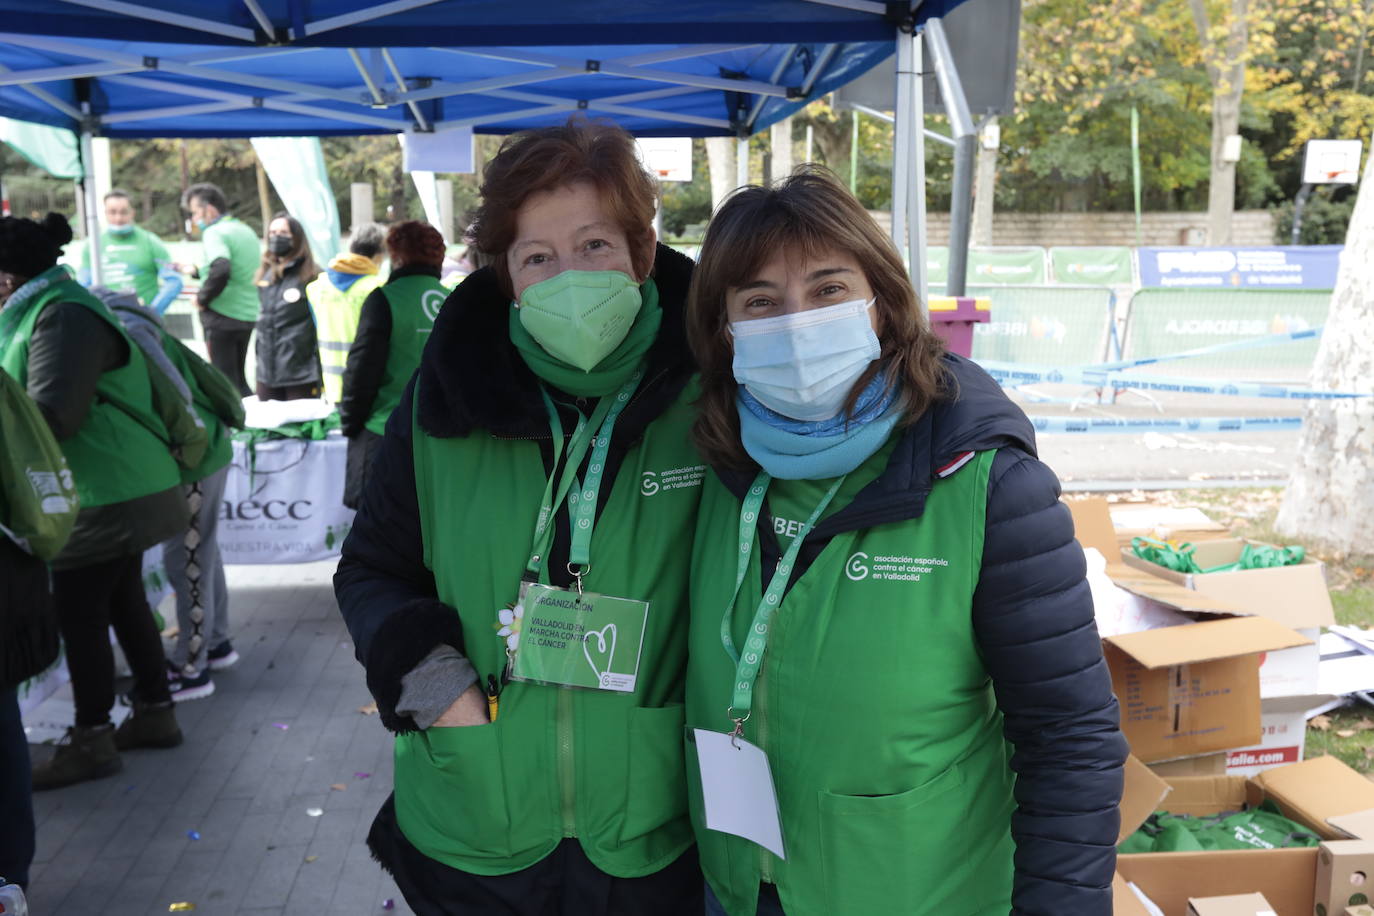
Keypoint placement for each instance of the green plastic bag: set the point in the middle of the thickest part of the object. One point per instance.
(1258, 828)
(38, 502)
(223, 397)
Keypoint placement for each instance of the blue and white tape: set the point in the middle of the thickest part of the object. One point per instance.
(1163, 424)
(1252, 343)
(1012, 375)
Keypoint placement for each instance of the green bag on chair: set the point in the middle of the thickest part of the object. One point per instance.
(37, 494)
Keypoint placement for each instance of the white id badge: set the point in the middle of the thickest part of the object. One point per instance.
(737, 788)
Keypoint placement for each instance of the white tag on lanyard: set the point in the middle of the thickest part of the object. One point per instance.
(737, 789)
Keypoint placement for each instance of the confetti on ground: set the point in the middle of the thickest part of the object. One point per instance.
(193, 834)
(180, 907)
(309, 859)
(388, 904)
(339, 787)
(362, 775)
(314, 812)
(282, 725)
(369, 710)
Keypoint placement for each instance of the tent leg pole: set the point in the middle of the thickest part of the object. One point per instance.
(902, 142)
(88, 193)
(916, 193)
(961, 207)
(741, 162)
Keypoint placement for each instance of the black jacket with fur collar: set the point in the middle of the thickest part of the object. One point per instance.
(472, 381)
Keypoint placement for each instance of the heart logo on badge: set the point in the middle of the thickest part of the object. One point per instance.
(605, 646)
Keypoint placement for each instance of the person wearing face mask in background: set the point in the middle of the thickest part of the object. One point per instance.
(132, 259)
(228, 296)
(887, 598)
(538, 469)
(288, 359)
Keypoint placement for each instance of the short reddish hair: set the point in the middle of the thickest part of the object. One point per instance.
(596, 152)
(416, 242)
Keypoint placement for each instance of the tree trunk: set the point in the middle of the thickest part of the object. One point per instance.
(1330, 497)
(396, 210)
(1226, 70)
(720, 161)
(984, 186)
(780, 144)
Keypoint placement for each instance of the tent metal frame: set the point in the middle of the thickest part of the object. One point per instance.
(384, 86)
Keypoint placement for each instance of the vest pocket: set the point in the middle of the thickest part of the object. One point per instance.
(656, 791)
(892, 853)
(465, 790)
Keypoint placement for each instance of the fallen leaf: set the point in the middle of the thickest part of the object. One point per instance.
(339, 787)
(1364, 725)
(1320, 723)
(369, 710)
(309, 859)
(1345, 733)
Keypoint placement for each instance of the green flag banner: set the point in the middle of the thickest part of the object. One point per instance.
(296, 167)
(52, 149)
(1091, 266)
(1006, 266)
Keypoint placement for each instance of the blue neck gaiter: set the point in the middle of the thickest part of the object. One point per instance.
(815, 450)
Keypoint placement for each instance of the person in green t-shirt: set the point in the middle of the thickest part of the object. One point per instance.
(228, 297)
(132, 259)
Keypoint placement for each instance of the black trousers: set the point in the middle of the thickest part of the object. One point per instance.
(565, 883)
(226, 339)
(90, 600)
(16, 796)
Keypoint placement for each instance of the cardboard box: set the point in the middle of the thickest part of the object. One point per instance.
(1206, 765)
(1286, 877)
(1192, 689)
(1315, 790)
(1361, 910)
(1232, 905)
(1283, 728)
(1345, 876)
(1295, 596)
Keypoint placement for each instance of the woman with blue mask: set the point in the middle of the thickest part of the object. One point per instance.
(896, 696)
(516, 579)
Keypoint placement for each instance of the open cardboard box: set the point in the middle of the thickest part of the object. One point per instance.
(1184, 690)
(1295, 596)
(1318, 793)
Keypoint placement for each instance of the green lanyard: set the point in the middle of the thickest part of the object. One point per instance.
(582, 498)
(747, 665)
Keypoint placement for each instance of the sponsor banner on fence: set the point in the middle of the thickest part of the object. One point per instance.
(283, 502)
(1276, 266)
(1163, 424)
(1092, 266)
(1003, 266)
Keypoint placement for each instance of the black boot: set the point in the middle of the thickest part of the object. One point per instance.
(149, 725)
(85, 753)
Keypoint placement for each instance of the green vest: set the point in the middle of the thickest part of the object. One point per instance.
(232, 240)
(604, 767)
(873, 705)
(221, 450)
(336, 324)
(415, 302)
(115, 456)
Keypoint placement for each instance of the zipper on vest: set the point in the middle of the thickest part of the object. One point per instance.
(566, 771)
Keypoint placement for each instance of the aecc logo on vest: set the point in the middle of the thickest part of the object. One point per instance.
(273, 510)
(430, 303)
(861, 566)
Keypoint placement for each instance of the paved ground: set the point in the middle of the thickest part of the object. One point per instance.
(242, 782)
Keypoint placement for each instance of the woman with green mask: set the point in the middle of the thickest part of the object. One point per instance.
(516, 578)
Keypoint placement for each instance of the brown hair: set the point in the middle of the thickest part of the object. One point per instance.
(272, 267)
(415, 242)
(809, 213)
(596, 152)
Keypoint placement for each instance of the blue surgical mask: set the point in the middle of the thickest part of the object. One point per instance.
(120, 230)
(804, 365)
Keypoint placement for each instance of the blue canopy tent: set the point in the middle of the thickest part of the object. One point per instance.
(223, 68)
